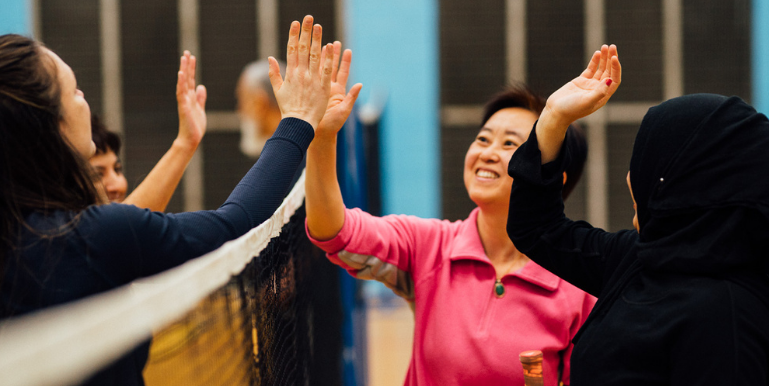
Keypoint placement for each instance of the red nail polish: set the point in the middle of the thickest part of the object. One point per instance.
(608, 82)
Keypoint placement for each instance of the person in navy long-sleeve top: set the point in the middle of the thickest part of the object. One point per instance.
(58, 246)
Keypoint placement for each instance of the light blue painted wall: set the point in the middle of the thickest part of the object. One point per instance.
(15, 17)
(395, 53)
(760, 51)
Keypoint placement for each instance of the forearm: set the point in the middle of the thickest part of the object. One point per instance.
(324, 204)
(551, 132)
(158, 187)
(538, 227)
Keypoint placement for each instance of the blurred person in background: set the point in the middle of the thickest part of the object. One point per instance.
(156, 190)
(58, 245)
(257, 107)
(106, 161)
(479, 301)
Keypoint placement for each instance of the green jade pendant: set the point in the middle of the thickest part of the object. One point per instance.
(499, 289)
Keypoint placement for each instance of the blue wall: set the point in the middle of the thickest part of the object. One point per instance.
(760, 65)
(15, 17)
(395, 56)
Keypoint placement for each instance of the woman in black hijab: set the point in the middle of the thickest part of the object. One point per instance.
(684, 298)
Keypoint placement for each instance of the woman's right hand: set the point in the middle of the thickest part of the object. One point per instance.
(591, 90)
(304, 92)
(339, 104)
(577, 99)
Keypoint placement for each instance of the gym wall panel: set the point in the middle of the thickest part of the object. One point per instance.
(636, 28)
(717, 37)
(71, 30)
(150, 45)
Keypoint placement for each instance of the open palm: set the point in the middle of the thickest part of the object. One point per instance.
(591, 90)
(339, 103)
(191, 102)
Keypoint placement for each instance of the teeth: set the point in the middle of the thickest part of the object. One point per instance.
(486, 174)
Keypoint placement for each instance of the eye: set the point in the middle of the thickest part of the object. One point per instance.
(482, 139)
(510, 143)
(119, 168)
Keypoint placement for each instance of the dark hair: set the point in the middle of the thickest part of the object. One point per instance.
(39, 169)
(521, 96)
(104, 139)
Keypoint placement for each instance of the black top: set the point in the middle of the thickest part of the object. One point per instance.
(107, 246)
(649, 327)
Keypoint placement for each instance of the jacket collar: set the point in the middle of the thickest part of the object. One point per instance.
(468, 246)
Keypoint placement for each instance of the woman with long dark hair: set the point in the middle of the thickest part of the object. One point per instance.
(683, 299)
(58, 246)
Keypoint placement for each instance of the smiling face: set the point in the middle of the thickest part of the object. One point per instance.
(485, 175)
(75, 123)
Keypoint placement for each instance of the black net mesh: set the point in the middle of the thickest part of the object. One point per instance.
(276, 323)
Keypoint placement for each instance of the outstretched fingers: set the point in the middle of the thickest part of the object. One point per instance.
(592, 67)
(181, 78)
(303, 50)
(191, 71)
(328, 67)
(315, 50)
(293, 45)
(344, 68)
(337, 52)
(612, 76)
(602, 63)
(615, 69)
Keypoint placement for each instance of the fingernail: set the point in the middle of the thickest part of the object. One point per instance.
(608, 82)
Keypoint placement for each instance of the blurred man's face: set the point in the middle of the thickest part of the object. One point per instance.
(252, 111)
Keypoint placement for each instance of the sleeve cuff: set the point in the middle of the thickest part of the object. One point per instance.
(526, 163)
(339, 242)
(295, 130)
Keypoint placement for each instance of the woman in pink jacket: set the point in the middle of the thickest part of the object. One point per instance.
(479, 302)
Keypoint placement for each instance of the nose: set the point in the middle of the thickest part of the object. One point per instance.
(109, 183)
(490, 154)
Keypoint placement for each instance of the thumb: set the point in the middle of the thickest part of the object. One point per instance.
(352, 96)
(274, 74)
(201, 94)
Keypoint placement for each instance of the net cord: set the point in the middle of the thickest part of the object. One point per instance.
(65, 344)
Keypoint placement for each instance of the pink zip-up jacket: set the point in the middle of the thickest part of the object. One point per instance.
(464, 333)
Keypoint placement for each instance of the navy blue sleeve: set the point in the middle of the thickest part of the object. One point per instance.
(573, 250)
(125, 242)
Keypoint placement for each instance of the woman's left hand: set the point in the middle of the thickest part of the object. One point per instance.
(191, 103)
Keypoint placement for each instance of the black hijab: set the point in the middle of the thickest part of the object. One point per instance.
(700, 177)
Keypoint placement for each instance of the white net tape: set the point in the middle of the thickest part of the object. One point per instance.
(65, 344)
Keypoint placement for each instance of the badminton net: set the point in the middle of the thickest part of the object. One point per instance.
(261, 310)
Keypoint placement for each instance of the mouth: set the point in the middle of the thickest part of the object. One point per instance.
(486, 174)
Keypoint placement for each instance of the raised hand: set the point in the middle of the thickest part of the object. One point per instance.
(339, 104)
(589, 91)
(191, 103)
(576, 99)
(304, 91)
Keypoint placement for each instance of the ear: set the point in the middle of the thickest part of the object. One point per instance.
(564, 178)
